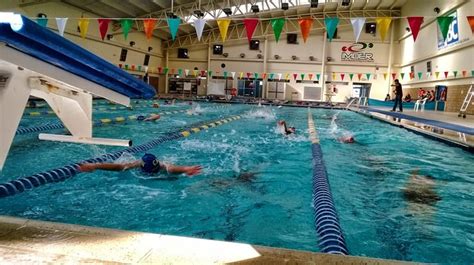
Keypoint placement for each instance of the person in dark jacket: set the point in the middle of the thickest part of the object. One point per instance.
(398, 95)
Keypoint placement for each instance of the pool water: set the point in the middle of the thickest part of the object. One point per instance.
(256, 184)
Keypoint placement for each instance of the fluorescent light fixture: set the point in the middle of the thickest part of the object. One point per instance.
(15, 20)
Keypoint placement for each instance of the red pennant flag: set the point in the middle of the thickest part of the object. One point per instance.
(359, 76)
(133, 67)
(446, 74)
(310, 76)
(415, 24)
(305, 24)
(342, 76)
(264, 75)
(203, 72)
(248, 75)
(394, 75)
(103, 26)
(412, 75)
(470, 19)
(464, 73)
(120, 65)
(172, 71)
(250, 26)
(149, 26)
(159, 69)
(294, 76)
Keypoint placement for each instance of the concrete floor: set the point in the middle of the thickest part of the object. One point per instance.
(25, 241)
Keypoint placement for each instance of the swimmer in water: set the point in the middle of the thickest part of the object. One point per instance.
(152, 117)
(286, 130)
(346, 139)
(148, 164)
(156, 105)
(421, 189)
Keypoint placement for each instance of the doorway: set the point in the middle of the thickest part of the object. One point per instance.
(361, 90)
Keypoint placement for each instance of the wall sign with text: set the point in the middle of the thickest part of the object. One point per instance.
(453, 33)
(358, 52)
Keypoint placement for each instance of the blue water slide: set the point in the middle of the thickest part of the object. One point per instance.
(48, 46)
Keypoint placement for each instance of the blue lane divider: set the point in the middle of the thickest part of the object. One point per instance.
(60, 174)
(331, 239)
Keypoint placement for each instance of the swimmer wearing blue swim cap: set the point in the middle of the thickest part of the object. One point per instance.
(149, 164)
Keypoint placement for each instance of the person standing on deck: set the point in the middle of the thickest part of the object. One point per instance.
(398, 95)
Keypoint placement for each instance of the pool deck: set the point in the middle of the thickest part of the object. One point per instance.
(443, 126)
(24, 241)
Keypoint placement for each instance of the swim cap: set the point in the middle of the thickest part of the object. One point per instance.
(140, 117)
(150, 163)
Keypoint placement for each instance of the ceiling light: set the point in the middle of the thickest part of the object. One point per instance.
(255, 8)
(314, 3)
(198, 13)
(227, 11)
(346, 2)
(285, 6)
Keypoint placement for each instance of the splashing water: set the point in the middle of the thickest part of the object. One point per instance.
(261, 113)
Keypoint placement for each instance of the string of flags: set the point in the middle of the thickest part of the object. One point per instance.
(336, 76)
(250, 24)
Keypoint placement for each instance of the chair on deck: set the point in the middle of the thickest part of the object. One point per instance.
(420, 104)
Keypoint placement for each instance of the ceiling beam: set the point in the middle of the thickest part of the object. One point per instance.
(117, 6)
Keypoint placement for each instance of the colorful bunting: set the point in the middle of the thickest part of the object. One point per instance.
(464, 73)
(241, 75)
(223, 26)
(271, 76)
(173, 24)
(287, 77)
(126, 26)
(264, 75)
(186, 72)
(310, 76)
(225, 74)
(302, 76)
(139, 68)
(203, 73)
(305, 25)
(420, 74)
(446, 73)
(318, 76)
(428, 74)
(209, 73)
(351, 76)
(295, 76)
(436, 74)
(279, 76)
(180, 72)
(385, 76)
(412, 75)
(470, 20)
(331, 26)
(42, 21)
(359, 76)
(61, 22)
(250, 26)
(160, 69)
(233, 74)
(357, 25)
(333, 76)
(83, 26)
(103, 26)
(342, 76)
(472, 72)
(443, 23)
(255, 75)
(149, 26)
(394, 76)
(195, 73)
(172, 71)
(402, 75)
(133, 67)
(368, 76)
(277, 26)
(199, 24)
(455, 73)
(126, 67)
(415, 24)
(383, 24)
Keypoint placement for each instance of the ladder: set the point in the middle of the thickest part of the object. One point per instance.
(350, 103)
(467, 101)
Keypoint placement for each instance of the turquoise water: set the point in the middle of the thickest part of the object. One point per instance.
(256, 184)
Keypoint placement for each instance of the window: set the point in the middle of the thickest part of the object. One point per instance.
(147, 60)
(428, 66)
(123, 55)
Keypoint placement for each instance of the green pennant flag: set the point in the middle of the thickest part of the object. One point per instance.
(472, 73)
(444, 23)
(139, 68)
(166, 70)
(277, 26)
(402, 75)
(455, 73)
(256, 75)
(126, 26)
(420, 74)
(271, 75)
(331, 26)
(180, 72)
(42, 21)
(225, 74)
(317, 76)
(126, 67)
(351, 76)
(173, 24)
(368, 76)
(302, 76)
(209, 72)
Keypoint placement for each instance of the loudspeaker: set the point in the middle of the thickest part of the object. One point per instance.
(183, 53)
(254, 45)
(217, 49)
(370, 28)
(292, 38)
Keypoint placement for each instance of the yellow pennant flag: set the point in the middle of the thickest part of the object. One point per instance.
(223, 26)
(383, 24)
(241, 75)
(333, 76)
(385, 76)
(83, 26)
(287, 76)
(436, 74)
(195, 73)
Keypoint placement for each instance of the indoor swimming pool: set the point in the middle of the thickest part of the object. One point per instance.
(255, 186)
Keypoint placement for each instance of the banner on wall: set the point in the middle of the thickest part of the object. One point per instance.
(453, 33)
(357, 52)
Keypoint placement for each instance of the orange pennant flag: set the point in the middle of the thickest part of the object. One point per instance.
(149, 26)
(359, 76)
(305, 25)
(310, 76)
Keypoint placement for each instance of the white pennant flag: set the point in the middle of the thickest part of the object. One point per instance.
(199, 26)
(357, 26)
(61, 22)
(233, 74)
(186, 72)
(279, 76)
(428, 74)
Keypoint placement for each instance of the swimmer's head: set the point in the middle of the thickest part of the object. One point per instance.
(140, 117)
(350, 139)
(292, 129)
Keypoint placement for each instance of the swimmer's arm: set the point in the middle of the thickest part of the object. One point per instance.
(188, 170)
(109, 166)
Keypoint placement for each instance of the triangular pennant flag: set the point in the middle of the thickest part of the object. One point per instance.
(149, 26)
(271, 76)
(368, 76)
(42, 21)
(412, 75)
(420, 74)
(472, 72)
(415, 24)
(279, 76)
(250, 26)
(359, 76)
(180, 72)
(165, 71)
(83, 26)
(126, 67)
(464, 73)
(223, 26)
(203, 72)
(287, 77)
(402, 75)
(277, 26)
(186, 72)
(470, 20)
(126, 26)
(103, 26)
(342, 76)
(310, 76)
(385, 76)
(428, 74)
(333, 76)
(199, 24)
(351, 76)
(331, 26)
(302, 76)
(195, 73)
(444, 23)
(172, 71)
(241, 75)
(357, 25)
(437, 75)
(225, 74)
(133, 67)
(305, 25)
(233, 74)
(294, 76)
(255, 75)
(160, 69)
(61, 22)
(446, 74)
(318, 76)
(120, 65)
(139, 68)
(383, 24)
(264, 75)
(209, 72)
(455, 73)
(173, 24)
